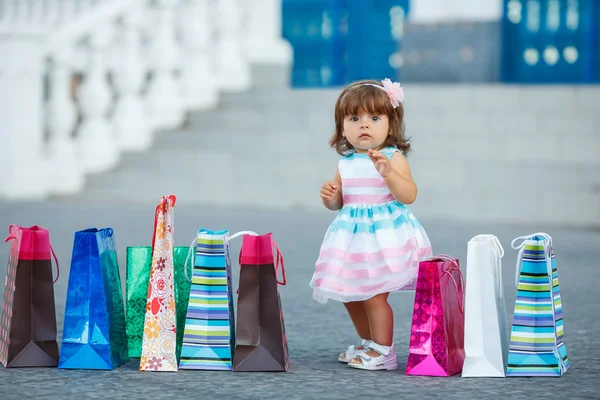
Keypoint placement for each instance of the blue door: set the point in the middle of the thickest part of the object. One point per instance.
(338, 41)
(550, 41)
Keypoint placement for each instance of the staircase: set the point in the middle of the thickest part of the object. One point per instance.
(92, 81)
(513, 154)
(242, 138)
(264, 148)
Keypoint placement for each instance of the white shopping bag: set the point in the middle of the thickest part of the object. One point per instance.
(486, 329)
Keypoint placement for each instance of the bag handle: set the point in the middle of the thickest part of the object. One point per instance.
(278, 260)
(227, 240)
(521, 248)
(162, 206)
(498, 246)
(241, 233)
(12, 229)
(185, 271)
(57, 266)
(278, 257)
(448, 271)
(498, 252)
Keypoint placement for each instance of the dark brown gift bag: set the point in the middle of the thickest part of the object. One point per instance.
(260, 340)
(28, 326)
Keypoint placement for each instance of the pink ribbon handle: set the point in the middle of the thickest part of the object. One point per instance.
(279, 260)
(12, 229)
(448, 271)
(57, 266)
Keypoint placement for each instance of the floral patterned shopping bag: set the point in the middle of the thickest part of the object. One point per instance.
(160, 324)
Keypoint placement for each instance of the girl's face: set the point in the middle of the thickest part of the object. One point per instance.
(365, 131)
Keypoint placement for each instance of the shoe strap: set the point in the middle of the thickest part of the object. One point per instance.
(383, 350)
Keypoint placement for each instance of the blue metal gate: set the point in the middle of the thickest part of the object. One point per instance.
(550, 41)
(337, 41)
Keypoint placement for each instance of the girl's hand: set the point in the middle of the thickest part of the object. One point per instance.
(381, 162)
(329, 192)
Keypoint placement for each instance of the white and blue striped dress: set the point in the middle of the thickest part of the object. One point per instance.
(374, 245)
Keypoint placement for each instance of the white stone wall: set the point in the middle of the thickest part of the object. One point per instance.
(510, 153)
(481, 152)
(495, 153)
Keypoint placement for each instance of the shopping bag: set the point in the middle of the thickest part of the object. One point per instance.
(28, 326)
(486, 329)
(94, 335)
(209, 337)
(536, 339)
(437, 331)
(260, 339)
(139, 264)
(160, 323)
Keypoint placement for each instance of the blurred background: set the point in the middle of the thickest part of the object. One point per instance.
(107, 105)
(229, 103)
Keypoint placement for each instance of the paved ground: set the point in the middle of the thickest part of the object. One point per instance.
(316, 332)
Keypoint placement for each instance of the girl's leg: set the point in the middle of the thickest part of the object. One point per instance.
(381, 322)
(358, 315)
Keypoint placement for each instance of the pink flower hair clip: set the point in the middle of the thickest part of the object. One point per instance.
(393, 89)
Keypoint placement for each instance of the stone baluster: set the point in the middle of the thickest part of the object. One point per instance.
(24, 165)
(264, 44)
(164, 102)
(66, 169)
(199, 86)
(232, 62)
(38, 12)
(23, 8)
(95, 138)
(53, 10)
(130, 121)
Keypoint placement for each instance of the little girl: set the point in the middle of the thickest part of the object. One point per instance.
(375, 243)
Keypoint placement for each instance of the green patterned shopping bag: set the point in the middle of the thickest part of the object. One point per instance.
(139, 263)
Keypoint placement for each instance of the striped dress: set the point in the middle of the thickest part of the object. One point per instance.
(374, 245)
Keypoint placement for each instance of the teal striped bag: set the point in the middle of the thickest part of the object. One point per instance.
(209, 336)
(536, 339)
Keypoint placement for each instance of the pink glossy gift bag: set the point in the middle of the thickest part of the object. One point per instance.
(438, 323)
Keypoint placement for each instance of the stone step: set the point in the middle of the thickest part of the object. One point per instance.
(498, 153)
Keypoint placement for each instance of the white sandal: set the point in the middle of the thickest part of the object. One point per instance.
(385, 361)
(352, 352)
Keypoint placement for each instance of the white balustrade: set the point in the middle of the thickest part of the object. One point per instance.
(165, 105)
(198, 82)
(66, 170)
(24, 164)
(48, 144)
(95, 138)
(232, 61)
(130, 121)
(264, 42)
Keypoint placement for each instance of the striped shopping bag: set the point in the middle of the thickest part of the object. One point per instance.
(209, 335)
(536, 340)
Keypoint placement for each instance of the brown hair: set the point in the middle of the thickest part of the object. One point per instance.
(358, 97)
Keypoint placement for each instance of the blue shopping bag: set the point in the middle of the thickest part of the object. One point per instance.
(94, 334)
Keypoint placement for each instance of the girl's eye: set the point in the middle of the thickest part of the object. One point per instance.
(354, 119)
(375, 118)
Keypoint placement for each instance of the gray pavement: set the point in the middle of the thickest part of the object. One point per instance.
(316, 333)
